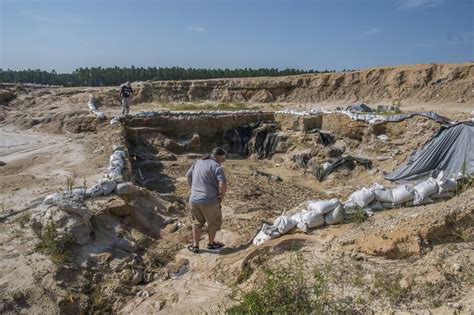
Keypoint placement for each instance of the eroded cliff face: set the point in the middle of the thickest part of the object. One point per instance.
(434, 83)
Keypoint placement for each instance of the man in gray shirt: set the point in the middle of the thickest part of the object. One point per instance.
(208, 187)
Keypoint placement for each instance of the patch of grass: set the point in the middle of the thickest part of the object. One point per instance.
(357, 215)
(288, 289)
(206, 106)
(463, 232)
(54, 245)
(388, 285)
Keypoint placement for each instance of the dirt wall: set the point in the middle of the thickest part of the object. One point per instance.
(392, 84)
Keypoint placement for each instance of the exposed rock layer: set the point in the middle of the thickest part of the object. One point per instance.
(413, 83)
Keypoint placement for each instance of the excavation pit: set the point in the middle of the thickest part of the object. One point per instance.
(275, 160)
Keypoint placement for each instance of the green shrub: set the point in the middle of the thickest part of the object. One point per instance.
(54, 245)
(288, 289)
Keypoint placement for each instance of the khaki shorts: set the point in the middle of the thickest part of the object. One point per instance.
(210, 213)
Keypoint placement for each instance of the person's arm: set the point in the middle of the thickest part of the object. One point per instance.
(190, 180)
(222, 190)
(189, 176)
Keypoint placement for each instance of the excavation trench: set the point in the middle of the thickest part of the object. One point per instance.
(275, 161)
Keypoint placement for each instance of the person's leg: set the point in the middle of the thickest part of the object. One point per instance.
(213, 215)
(198, 221)
(129, 101)
(196, 236)
(124, 105)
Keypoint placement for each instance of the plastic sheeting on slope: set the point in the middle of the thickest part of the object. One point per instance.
(359, 108)
(321, 172)
(431, 115)
(238, 138)
(450, 151)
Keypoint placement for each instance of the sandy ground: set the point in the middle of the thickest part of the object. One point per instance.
(39, 158)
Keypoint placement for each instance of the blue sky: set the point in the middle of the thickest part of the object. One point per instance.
(319, 34)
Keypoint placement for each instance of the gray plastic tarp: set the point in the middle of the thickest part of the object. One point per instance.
(450, 150)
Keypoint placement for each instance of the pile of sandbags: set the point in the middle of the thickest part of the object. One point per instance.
(369, 199)
(93, 108)
(112, 176)
(317, 213)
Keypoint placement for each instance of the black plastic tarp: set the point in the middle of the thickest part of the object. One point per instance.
(238, 138)
(450, 150)
(348, 161)
(431, 115)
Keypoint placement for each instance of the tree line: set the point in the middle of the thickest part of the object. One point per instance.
(98, 76)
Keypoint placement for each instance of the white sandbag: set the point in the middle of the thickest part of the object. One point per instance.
(100, 115)
(388, 205)
(118, 154)
(91, 105)
(108, 186)
(117, 164)
(284, 224)
(336, 216)
(383, 195)
(402, 193)
(448, 185)
(56, 197)
(443, 195)
(425, 189)
(308, 220)
(95, 191)
(114, 172)
(267, 232)
(376, 205)
(323, 206)
(77, 191)
(114, 121)
(362, 197)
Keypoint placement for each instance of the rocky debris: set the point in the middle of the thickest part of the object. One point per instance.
(2, 163)
(69, 217)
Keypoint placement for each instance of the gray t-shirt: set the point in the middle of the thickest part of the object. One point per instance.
(206, 175)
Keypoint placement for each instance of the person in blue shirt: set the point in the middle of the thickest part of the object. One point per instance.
(208, 187)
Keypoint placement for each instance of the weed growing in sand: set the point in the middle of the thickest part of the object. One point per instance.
(70, 181)
(463, 232)
(52, 244)
(357, 215)
(388, 285)
(287, 289)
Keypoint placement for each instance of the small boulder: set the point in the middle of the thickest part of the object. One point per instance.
(118, 207)
(126, 189)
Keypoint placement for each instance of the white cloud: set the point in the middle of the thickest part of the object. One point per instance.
(370, 32)
(198, 29)
(413, 4)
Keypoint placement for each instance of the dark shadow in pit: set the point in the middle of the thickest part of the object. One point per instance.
(149, 174)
